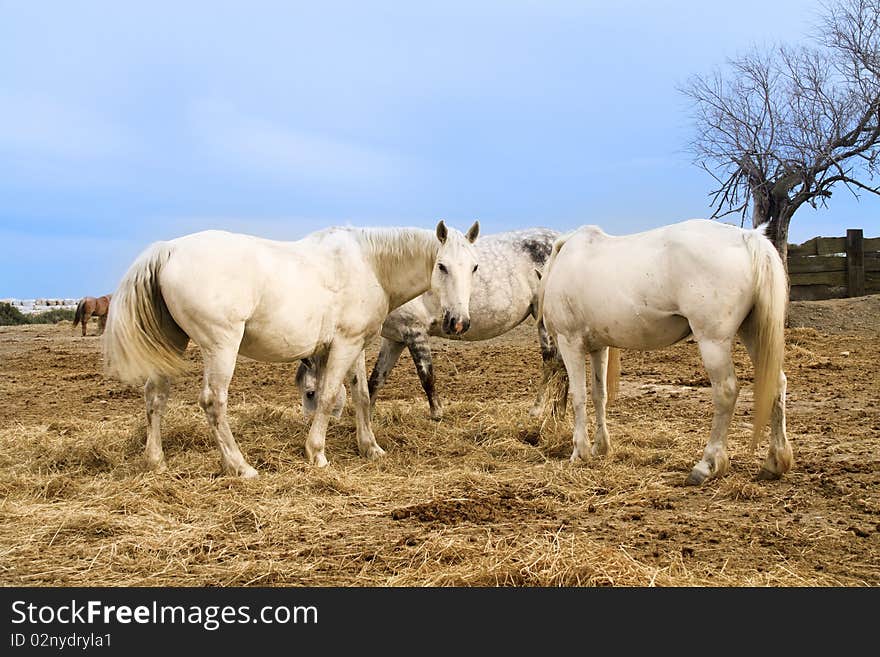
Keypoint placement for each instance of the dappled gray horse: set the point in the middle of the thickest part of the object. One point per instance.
(504, 294)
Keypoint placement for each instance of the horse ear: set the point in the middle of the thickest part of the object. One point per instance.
(473, 231)
(442, 232)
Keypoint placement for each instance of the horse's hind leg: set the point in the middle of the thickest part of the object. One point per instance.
(85, 321)
(599, 392)
(779, 457)
(389, 352)
(554, 381)
(360, 395)
(574, 357)
(156, 398)
(219, 366)
(719, 366)
(421, 355)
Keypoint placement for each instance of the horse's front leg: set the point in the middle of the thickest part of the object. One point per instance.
(360, 396)
(340, 360)
(574, 357)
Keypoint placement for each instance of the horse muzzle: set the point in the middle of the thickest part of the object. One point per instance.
(454, 325)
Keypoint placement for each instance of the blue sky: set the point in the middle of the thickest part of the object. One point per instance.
(126, 123)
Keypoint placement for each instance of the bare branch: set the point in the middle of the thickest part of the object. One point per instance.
(779, 128)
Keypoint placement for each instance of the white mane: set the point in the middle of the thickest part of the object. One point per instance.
(388, 248)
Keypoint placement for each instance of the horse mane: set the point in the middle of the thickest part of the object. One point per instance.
(388, 248)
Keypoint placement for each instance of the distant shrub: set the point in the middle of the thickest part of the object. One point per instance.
(53, 316)
(12, 316)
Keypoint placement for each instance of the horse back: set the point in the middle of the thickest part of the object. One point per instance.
(288, 296)
(641, 290)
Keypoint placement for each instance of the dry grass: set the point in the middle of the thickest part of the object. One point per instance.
(484, 498)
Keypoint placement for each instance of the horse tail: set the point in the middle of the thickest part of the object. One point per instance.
(78, 314)
(768, 319)
(141, 339)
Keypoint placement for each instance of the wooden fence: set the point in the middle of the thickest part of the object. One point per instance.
(834, 267)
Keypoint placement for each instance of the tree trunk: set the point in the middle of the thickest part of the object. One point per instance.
(767, 209)
(778, 220)
(778, 234)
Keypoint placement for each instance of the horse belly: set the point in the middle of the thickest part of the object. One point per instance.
(638, 329)
(609, 307)
(486, 327)
(276, 346)
(286, 333)
(498, 305)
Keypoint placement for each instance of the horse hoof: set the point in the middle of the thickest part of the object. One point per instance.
(598, 450)
(576, 458)
(319, 460)
(765, 475)
(374, 453)
(437, 415)
(248, 472)
(695, 478)
(157, 466)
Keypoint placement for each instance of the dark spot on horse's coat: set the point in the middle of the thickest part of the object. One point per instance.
(538, 251)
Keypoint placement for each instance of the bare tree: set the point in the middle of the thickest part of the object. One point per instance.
(782, 127)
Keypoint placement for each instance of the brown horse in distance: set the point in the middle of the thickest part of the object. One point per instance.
(89, 306)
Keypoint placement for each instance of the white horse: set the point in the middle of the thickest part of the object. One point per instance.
(652, 289)
(504, 295)
(274, 301)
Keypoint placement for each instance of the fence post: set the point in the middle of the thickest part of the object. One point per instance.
(855, 263)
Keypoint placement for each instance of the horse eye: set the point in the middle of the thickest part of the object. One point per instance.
(442, 267)
(310, 394)
(475, 268)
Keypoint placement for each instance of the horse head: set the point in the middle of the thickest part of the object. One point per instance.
(452, 277)
(307, 381)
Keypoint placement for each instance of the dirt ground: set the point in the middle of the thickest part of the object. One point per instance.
(485, 497)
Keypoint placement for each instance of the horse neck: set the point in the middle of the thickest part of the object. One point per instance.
(403, 260)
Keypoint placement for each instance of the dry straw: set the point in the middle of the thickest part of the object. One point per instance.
(486, 497)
